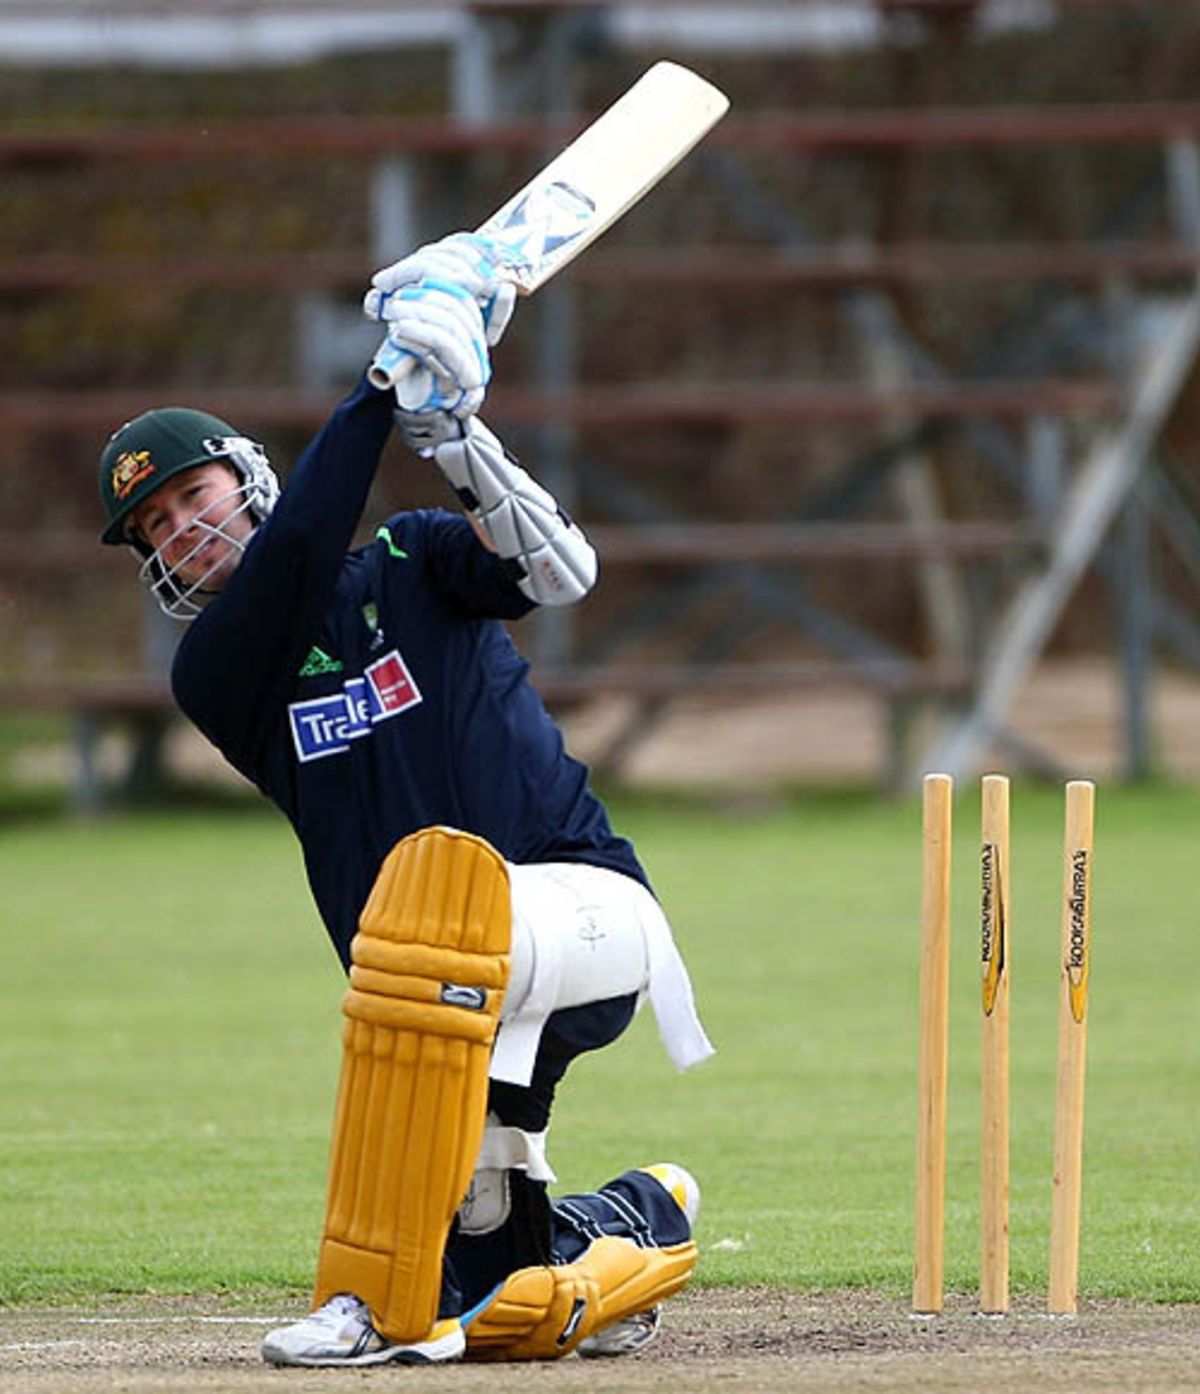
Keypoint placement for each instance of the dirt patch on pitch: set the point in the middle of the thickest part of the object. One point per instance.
(757, 1341)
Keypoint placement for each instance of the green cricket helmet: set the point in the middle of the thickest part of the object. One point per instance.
(159, 444)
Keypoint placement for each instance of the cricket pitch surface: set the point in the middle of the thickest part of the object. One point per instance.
(753, 1340)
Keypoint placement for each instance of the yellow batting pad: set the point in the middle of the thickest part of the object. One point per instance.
(543, 1313)
(634, 1280)
(429, 968)
(538, 1314)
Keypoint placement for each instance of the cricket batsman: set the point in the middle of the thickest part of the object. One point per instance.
(492, 923)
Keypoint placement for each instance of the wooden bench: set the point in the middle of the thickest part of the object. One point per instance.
(145, 709)
(641, 544)
(902, 687)
(829, 267)
(142, 706)
(779, 132)
(616, 407)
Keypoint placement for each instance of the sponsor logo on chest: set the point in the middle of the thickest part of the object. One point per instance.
(329, 725)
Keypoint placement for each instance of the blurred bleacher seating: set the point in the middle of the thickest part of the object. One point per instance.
(856, 397)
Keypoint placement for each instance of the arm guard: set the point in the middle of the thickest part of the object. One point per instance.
(524, 521)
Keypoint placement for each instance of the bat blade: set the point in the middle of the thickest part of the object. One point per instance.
(586, 187)
(604, 171)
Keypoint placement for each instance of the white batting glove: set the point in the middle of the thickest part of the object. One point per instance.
(440, 325)
(464, 259)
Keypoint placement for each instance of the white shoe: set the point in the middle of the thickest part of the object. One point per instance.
(635, 1333)
(625, 1337)
(340, 1333)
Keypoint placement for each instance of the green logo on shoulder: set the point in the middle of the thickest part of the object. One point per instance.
(383, 535)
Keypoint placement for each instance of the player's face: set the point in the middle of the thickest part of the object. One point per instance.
(195, 523)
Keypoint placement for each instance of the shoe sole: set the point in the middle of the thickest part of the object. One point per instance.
(358, 1362)
(439, 1352)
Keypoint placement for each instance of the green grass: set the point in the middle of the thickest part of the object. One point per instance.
(170, 1049)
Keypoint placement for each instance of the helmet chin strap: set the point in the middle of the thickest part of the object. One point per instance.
(178, 597)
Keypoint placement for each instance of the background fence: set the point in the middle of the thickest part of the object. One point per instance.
(885, 397)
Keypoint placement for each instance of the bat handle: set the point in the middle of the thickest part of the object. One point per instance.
(396, 367)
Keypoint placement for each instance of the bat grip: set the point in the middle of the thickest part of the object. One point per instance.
(389, 365)
(396, 367)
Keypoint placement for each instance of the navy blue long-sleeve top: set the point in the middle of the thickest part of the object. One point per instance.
(369, 693)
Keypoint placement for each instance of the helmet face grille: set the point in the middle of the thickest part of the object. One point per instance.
(198, 571)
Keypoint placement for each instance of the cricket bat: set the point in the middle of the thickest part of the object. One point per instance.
(588, 186)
